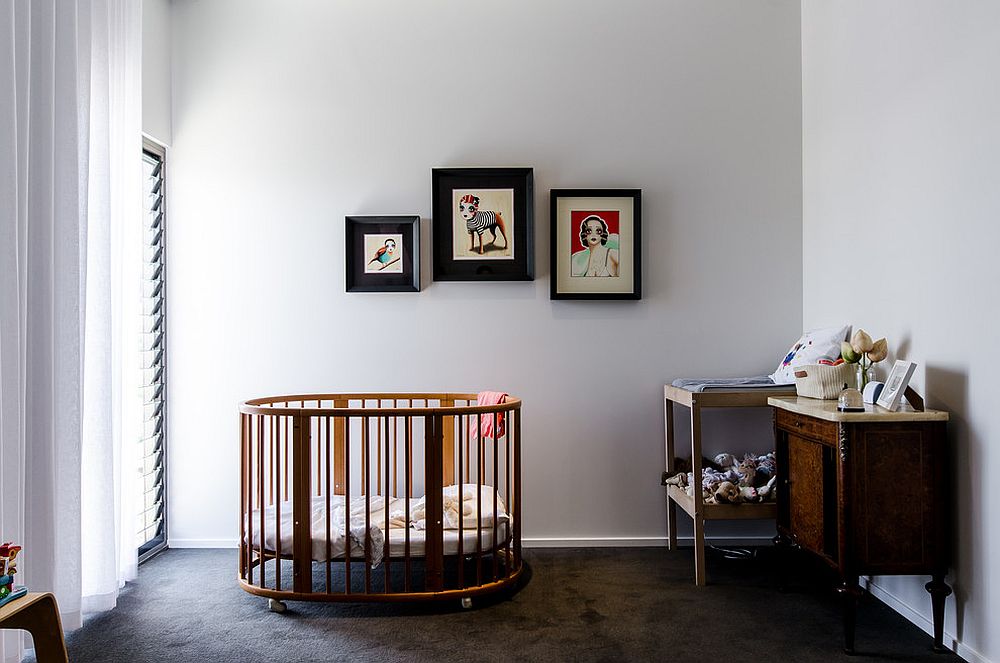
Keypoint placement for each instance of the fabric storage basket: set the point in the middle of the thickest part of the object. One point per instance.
(822, 381)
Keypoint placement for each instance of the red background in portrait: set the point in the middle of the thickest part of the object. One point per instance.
(577, 216)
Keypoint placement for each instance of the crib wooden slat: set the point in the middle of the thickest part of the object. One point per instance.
(260, 488)
(316, 428)
(407, 491)
(448, 443)
(462, 441)
(243, 492)
(339, 462)
(516, 511)
(395, 454)
(347, 505)
(409, 451)
(364, 455)
(433, 478)
(329, 581)
(506, 491)
(276, 465)
(386, 559)
(480, 465)
(494, 546)
(301, 505)
(272, 423)
(378, 453)
(368, 507)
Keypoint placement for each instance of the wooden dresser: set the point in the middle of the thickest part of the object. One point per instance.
(867, 492)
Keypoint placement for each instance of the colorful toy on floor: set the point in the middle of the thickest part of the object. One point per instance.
(8, 567)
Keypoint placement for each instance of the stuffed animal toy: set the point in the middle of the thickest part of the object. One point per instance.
(727, 480)
(680, 480)
(726, 461)
(766, 492)
(747, 471)
(726, 493)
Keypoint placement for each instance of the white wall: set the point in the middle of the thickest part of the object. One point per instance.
(156, 54)
(901, 201)
(288, 116)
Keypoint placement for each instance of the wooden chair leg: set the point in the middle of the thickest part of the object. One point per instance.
(41, 620)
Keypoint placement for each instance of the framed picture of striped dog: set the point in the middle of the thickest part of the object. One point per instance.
(483, 224)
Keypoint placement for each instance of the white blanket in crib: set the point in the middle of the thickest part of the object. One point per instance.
(472, 509)
(475, 506)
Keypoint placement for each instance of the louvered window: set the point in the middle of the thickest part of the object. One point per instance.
(152, 524)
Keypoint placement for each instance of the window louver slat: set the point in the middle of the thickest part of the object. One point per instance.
(150, 521)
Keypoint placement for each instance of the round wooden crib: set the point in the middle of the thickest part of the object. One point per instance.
(379, 497)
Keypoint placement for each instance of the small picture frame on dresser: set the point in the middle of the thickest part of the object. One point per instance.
(895, 385)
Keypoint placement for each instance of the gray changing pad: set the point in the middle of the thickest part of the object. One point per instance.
(703, 384)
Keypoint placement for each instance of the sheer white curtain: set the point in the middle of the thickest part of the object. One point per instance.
(69, 186)
(112, 407)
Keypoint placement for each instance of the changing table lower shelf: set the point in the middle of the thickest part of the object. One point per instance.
(745, 511)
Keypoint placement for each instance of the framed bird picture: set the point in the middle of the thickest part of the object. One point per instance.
(382, 253)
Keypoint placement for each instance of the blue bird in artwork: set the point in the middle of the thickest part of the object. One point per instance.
(385, 254)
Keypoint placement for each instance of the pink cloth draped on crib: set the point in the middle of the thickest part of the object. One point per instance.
(485, 421)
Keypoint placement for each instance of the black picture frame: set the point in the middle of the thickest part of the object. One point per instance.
(623, 263)
(361, 275)
(506, 186)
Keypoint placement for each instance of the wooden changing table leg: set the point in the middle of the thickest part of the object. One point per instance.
(699, 503)
(668, 428)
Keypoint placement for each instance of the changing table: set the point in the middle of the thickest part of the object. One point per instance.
(694, 506)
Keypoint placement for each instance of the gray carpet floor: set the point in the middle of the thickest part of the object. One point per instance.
(577, 605)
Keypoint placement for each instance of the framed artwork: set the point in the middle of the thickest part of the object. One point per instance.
(483, 224)
(382, 253)
(596, 241)
(895, 384)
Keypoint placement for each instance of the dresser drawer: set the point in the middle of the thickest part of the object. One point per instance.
(817, 429)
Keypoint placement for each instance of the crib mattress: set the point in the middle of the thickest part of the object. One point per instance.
(356, 537)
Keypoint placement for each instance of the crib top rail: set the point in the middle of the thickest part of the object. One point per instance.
(373, 405)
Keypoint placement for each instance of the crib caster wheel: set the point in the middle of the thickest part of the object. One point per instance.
(466, 603)
(274, 605)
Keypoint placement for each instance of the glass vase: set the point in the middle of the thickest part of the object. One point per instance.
(865, 374)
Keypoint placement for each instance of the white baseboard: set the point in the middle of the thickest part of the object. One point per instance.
(540, 542)
(635, 541)
(925, 624)
(202, 543)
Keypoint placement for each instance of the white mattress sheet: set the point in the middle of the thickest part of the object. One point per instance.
(376, 532)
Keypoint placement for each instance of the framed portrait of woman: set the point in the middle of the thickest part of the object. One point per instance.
(596, 243)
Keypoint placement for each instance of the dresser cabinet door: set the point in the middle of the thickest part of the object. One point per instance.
(897, 498)
(808, 494)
